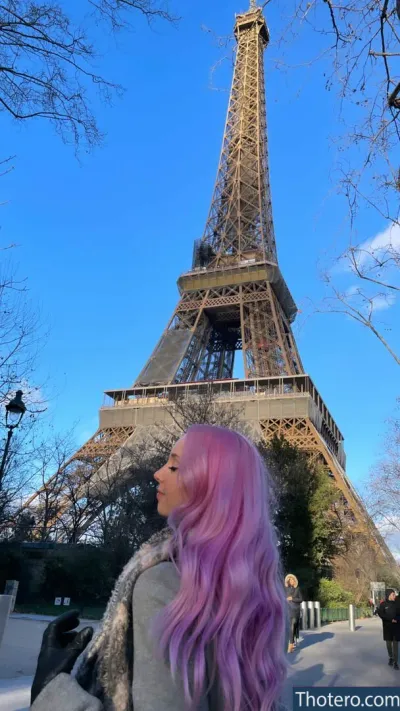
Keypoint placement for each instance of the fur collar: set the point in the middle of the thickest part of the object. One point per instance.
(105, 668)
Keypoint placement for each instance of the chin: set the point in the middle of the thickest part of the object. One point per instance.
(162, 511)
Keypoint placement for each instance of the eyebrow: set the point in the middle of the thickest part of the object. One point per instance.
(174, 456)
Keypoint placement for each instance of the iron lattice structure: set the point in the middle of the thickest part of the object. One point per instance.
(240, 219)
(233, 300)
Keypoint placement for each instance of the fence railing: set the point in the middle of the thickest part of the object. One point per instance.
(339, 614)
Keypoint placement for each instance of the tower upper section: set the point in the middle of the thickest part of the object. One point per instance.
(240, 225)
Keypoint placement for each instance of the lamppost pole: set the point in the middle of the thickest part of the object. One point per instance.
(15, 411)
(4, 459)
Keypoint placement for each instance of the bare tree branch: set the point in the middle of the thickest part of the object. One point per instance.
(8, 168)
(374, 266)
(359, 46)
(383, 488)
(118, 11)
(46, 63)
(358, 306)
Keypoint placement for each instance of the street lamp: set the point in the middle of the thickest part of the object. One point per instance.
(15, 411)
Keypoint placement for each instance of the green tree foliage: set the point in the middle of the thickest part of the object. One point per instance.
(308, 529)
(85, 574)
(326, 524)
(332, 594)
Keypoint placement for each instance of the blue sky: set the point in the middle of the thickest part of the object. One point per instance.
(102, 240)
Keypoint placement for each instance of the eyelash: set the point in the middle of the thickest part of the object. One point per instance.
(173, 469)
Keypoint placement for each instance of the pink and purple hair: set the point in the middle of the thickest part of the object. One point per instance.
(231, 595)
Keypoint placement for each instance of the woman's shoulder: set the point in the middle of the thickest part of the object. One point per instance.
(159, 580)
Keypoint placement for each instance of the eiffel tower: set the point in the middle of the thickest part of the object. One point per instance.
(234, 302)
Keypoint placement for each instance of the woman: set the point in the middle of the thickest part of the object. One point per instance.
(294, 599)
(202, 603)
(389, 612)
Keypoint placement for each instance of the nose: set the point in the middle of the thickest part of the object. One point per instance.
(157, 476)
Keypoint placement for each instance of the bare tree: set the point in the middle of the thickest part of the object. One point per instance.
(361, 306)
(21, 334)
(97, 503)
(358, 48)
(6, 167)
(204, 407)
(75, 498)
(68, 499)
(357, 566)
(360, 563)
(47, 461)
(47, 62)
(376, 263)
(21, 337)
(76, 505)
(17, 476)
(127, 508)
(115, 504)
(383, 489)
(118, 12)
(364, 281)
(127, 512)
(358, 51)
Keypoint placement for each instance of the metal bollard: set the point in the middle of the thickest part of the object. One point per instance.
(311, 616)
(11, 588)
(5, 604)
(317, 608)
(352, 618)
(304, 620)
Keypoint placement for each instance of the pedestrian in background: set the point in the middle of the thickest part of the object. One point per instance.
(197, 617)
(389, 612)
(294, 599)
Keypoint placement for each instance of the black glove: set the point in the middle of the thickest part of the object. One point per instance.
(60, 649)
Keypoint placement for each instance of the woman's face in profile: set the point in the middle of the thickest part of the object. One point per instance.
(170, 492)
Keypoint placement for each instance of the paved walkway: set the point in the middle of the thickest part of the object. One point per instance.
(333, 656)
(18, 656)
(21, 643)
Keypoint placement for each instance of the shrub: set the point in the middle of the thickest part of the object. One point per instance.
(331, 594)
(85, 575)
(13, 567)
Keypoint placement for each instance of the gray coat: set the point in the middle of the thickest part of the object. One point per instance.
(153, 688)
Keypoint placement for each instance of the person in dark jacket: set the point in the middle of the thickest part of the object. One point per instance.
(294, 598)
(389, 612)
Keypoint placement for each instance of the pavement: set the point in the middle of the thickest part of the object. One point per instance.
(18, 656)
(332, 656)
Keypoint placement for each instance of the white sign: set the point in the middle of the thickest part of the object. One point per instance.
(378, 586)
(67, 601)
(57, 601)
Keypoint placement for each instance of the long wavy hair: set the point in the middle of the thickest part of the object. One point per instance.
(231, 596)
